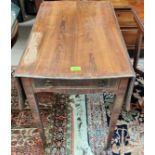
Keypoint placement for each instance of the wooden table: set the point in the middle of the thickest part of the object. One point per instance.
(76, 47)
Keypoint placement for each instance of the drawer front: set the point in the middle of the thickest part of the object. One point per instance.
(130, 37)
(38, 83)
(125, 18)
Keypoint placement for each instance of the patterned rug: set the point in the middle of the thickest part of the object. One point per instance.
(78, 125)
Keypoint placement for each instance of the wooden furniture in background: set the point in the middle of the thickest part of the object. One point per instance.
(138, 11)
(76, 47)
(38, 2)
(128, 25)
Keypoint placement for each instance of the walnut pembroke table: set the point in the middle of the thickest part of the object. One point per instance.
(76, 47)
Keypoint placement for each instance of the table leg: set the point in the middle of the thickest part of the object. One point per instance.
(138, 49)
(117, 106)
(129, 94)
(21, 93)
(32, 100)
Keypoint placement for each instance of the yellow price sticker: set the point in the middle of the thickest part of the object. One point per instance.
(75, 68)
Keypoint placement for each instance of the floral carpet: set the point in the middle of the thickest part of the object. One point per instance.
(78, 125)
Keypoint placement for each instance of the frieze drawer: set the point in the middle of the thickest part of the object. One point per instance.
(76, 83)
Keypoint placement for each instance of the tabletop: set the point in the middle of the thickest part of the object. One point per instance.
(75, 40)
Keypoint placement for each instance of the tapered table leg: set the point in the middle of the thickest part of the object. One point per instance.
(32, 100)
(117, 106)
(21, 94)
(138, 49)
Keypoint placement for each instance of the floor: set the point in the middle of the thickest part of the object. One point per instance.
(78, 125)
(23, 34)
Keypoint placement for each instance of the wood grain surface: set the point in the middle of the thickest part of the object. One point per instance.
(75, 33)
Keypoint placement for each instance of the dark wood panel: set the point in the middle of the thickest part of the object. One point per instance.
(130, 37)
(125, 18)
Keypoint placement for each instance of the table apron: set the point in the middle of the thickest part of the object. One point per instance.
(74, 90)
